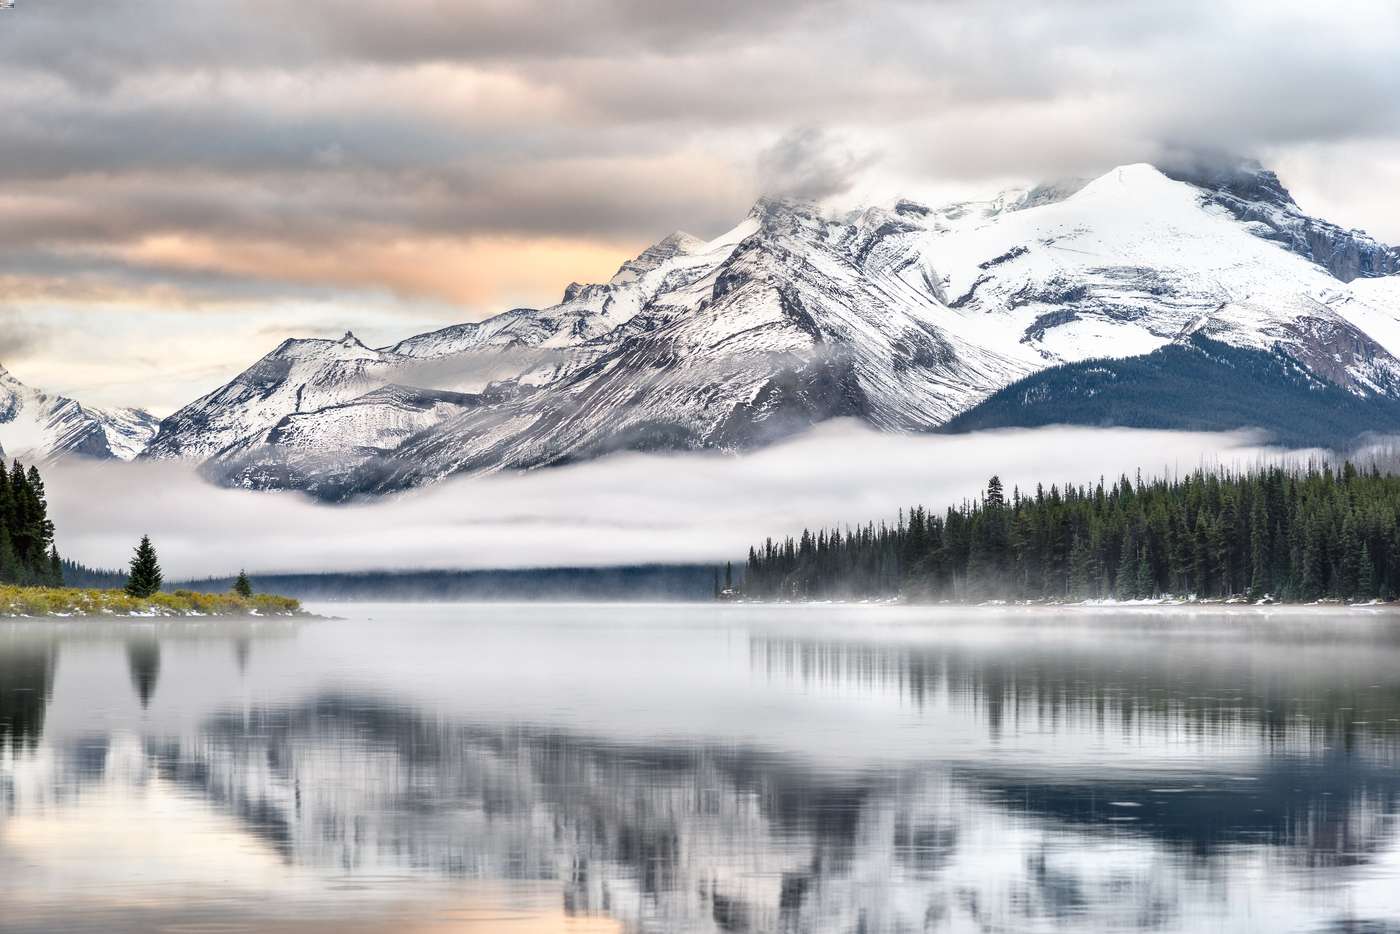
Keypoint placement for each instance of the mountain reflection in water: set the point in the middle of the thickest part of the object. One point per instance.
(704, 769)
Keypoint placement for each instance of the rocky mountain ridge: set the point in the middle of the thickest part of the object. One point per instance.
(903, 317)
(37, 425)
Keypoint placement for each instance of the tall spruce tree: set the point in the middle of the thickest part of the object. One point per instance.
(26, 532)
(1260, 581)
(242, 585)
(145, 578)
(55, 568)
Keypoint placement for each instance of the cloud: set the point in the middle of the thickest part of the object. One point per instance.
(809, 164)
(225, 147)
(625, 509)
(19, 337)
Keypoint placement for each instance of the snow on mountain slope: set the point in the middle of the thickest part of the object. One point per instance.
(902, 317)
(299, 376)
(1256, 197)
(1372, 306)
(127, 430)
(1134, 260)
(36, 425)
(749, 338)
(302, 377)
(319, 449)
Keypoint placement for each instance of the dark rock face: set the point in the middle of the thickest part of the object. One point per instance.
(1255, 195)
(1347, 255)
(907, 208)
(1245, 180)
(793, 400)
(1331, 350)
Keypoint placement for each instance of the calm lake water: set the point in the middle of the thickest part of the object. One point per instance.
(707, 768)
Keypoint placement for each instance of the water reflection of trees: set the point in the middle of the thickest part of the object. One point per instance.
(679, 832)
(143, 661)
(664, 834)
(26, 687)
(685, 835)
(1302, 697)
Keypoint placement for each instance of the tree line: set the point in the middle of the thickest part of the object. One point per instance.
(1299, 534)
(29, 557)
(27, 553)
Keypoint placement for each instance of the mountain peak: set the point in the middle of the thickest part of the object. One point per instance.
(36, 424)
(773, 207)
(674, 244)
(907, 207)
(347, 347)
(678, 241)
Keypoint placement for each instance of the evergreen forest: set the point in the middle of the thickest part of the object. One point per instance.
(1296, 534)
(27, 553)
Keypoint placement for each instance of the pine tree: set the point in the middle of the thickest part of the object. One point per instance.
(145, 577)
(1313, 573)
(55, 568)
(26, 532)
(1260, 580)
(1146, 585)
(1366, 576)
(243, 586)
(1125, 582)
(1081, 569)
(1351, 548)
(9, 561)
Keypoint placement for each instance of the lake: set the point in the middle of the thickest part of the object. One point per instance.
(582, 768)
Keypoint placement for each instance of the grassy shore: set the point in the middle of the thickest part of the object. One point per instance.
(73, 601)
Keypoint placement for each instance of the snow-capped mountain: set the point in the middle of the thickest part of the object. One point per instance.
(903, 317)
(36, 425)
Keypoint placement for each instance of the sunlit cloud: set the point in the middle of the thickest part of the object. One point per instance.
(464, 158)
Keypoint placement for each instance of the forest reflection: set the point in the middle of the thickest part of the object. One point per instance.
(1281, 694)
(26, 686)
(360, 784)
(1107, 784)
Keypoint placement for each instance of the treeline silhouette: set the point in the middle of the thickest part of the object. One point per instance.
(1294, 534)
(27, 552)
(80, 575)
(665, 582)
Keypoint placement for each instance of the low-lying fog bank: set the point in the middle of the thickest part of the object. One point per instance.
(629, 509)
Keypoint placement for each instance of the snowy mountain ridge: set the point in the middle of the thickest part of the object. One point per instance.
(903, 317)
(37, 425)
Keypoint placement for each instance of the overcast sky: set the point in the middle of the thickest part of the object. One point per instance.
(184, 184)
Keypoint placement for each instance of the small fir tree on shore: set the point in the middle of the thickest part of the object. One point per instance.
(243, 586)
(145, 577)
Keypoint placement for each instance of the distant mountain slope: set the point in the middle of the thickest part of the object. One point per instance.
(903, 317)
(1196, 384)
(37, 425)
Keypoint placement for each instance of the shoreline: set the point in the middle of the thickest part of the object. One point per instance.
(59, 603)
(1096, 607)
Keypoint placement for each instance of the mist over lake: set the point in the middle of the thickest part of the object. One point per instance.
(626, 509)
